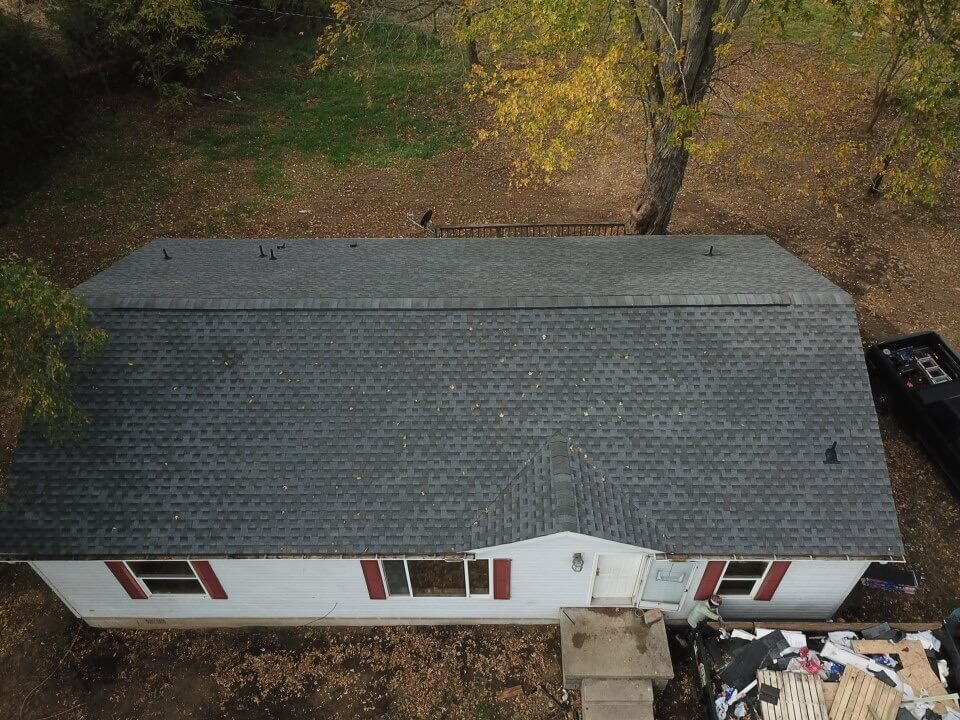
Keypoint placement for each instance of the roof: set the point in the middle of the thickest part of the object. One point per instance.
(448, 274)
(306, 406)
(558, 490)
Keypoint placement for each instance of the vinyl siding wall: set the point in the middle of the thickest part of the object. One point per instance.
(329, 591)
(811, 589)
(302, 591)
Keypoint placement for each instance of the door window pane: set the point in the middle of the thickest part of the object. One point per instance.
(437, 578)
(396, 577)
(479, 571)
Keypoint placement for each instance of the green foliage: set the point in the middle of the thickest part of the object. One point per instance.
(232, 162)
(35, 98)
(164, 42)
(42, 328)
(918, 76)
(485, 710)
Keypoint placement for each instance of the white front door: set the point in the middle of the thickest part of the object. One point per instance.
(617, 576)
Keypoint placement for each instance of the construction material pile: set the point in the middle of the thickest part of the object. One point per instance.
(877, 674)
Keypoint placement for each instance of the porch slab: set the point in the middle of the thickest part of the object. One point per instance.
(612, 644)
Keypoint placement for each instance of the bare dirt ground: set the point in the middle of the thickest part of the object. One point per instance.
(56, 666)
(901, 265)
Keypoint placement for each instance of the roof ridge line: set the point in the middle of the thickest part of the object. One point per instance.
(120, 302)
(514, 478)
(561, 481)
(629, 500)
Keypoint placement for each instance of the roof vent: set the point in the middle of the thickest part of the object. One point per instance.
(831, 455)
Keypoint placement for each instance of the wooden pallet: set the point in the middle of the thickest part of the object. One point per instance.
(863, 697)
(801, 696)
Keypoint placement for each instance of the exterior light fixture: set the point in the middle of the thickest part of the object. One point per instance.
(577, 562)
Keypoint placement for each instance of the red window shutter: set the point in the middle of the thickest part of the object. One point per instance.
(209, 580)
(710, 580)
(125, 578)
(772, 580)
(371, 573)
(501, 579)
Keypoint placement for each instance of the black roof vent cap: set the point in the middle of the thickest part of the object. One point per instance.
(830, 455)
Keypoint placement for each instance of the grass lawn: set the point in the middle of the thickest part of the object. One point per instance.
(389, 101)
(392, 102)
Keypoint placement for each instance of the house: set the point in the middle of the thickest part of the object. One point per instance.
(459, 430)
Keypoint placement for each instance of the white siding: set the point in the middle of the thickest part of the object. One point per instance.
(811, 589)
(333, 591)
(542, 581)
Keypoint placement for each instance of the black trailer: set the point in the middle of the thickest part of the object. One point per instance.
(917, 377)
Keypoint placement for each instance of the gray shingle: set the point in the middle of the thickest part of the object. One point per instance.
(696, 428)
(487, 271)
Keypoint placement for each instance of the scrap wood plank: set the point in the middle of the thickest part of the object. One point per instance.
(800, 696)
(829, 690)
(923, 681)
(863, 697)
(916, 671)
(910, 652)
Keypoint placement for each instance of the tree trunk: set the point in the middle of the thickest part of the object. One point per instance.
(473, 54)
(874, 189)
(878, 102)
(668, 163)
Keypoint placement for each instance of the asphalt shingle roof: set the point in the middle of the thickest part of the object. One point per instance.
(694, 408)
(558, 490)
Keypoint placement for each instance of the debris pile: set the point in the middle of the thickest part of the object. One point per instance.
(878, 674)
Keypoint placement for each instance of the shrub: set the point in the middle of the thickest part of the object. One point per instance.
(163, 42)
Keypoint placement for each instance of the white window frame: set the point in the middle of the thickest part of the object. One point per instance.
(757, 582)
(143, 585)
(466, 579)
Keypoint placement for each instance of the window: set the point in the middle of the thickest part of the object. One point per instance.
(436, 578)
(741, 578)
(395, 572)
(479, 573)
(166, 577)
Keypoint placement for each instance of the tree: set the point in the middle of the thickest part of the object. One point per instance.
(163, 41)
(42, 329)
(919, 78)
(572, 68)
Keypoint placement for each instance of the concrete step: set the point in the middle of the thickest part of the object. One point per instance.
(617, 711)
(616, 691)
